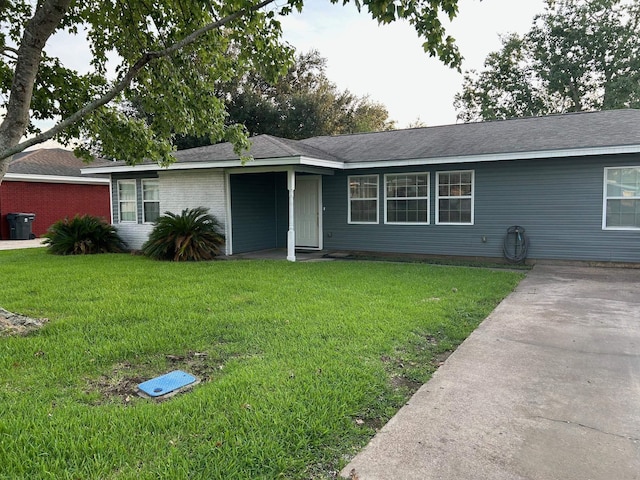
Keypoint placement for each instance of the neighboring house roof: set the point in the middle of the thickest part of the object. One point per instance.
(586, 133)
(51, 165)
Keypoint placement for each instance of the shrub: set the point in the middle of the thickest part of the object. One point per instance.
(83, 235)
(191, 236)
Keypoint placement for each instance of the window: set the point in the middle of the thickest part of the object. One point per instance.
(150, 201)
(407, 198)
(127, 202)
(621, 198)
(455, 198)
(363, 199)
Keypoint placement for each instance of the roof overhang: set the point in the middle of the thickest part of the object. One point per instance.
(498, 157)
(25, 177)
(266, 162)
(302, 161)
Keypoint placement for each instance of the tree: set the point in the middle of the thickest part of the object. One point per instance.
(170, 53)
(578, 55)
(300, 104)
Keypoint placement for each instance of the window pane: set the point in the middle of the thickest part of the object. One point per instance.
(150, 190)
(371, 190)
(623, 213)
(355, 188)
(363, 198)
(364, 210)
(151, 211)
(444, 179)
(623, 182)
(630, 179)
(126, 191)
(454, 210)
(363, 187)
(128, 212)
(410, 211)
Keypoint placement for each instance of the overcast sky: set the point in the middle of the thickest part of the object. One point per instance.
(388, 63)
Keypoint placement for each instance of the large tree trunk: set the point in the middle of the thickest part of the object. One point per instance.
(36, 33)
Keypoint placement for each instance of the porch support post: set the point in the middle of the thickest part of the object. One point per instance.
(291, 234)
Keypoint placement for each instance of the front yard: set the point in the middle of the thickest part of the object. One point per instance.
(299, 363)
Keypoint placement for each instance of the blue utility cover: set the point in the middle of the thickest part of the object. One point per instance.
(166, 383)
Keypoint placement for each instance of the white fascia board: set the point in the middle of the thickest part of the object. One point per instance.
(279, 168)
(496, 157)
(338, 165)
(24, 177)
(317, 162)
(267, 162)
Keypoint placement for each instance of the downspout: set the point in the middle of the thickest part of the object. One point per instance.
(291, 234)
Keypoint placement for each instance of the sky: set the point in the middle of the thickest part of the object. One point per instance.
(385, 62)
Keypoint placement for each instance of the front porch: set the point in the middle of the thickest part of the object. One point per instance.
(282, 254)
(277, 211)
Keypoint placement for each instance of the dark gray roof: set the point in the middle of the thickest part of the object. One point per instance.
(49, 161)
(262, 147)
(555, 132)
(612, 128)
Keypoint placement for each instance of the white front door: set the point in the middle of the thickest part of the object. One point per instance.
(307, 211)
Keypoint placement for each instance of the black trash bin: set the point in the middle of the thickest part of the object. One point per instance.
(20, 225)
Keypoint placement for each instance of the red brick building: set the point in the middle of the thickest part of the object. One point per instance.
(48, 183)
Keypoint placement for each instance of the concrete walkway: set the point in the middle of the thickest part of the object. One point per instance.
(17, 244)
(548, 387)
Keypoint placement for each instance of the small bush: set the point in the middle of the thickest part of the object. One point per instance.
(83, 235)
(193, 235)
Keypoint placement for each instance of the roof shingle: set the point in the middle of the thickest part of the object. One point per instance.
(50, 161)
(611, 128)
(555, 132)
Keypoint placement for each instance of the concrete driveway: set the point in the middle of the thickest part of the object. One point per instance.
(18, 244)
(548, 387)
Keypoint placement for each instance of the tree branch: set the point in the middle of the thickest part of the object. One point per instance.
(36, 33)
(9, 49)
(120, 86)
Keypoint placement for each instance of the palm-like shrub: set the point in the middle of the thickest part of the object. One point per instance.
(191, 236)
(82, 235)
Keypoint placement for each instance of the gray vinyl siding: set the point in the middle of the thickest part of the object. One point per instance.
(558, 201)
(259, 211)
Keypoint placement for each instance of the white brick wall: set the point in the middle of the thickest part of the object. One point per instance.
(134, 234)
(194, 188)
(191, 189)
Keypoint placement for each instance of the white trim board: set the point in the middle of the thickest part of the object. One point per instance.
(339, 165)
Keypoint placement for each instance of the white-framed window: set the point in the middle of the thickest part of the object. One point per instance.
(150, 200)
(406, 198)
(621, 209)
(454, 197)
(363, 199)
(127, 201)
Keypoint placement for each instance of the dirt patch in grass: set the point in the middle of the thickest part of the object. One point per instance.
(15, 324)
(122, 382)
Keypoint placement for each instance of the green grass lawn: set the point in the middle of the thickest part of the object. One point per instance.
(299, 362)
